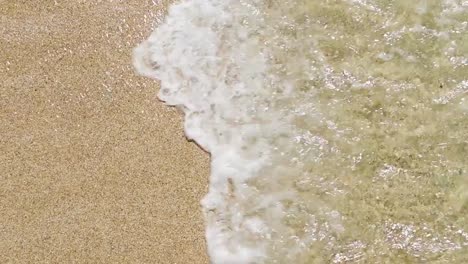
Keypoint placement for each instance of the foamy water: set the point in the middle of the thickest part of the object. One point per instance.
(338, 130)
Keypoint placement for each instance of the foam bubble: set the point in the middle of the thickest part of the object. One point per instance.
(201, 56)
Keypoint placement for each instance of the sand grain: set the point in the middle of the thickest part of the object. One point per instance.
(93, 168)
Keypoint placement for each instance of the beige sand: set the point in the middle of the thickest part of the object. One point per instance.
(93, 168)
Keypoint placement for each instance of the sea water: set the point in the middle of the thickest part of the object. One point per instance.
(338, 129)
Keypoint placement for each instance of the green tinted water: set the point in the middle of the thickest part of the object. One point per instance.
(379, 102)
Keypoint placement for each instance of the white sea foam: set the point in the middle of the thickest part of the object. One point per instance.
(209, 68)
(297, 113)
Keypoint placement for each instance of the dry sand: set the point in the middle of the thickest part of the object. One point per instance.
(93, 168)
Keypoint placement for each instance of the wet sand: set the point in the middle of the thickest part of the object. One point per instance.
(93, 168)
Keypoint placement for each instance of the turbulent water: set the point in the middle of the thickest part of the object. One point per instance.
(338, 129)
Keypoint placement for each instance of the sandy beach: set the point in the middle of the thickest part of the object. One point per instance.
(93, 168)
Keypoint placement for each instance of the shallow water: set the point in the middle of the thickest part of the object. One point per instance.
(338, 129)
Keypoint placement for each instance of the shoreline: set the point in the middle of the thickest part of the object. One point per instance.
(94, 167)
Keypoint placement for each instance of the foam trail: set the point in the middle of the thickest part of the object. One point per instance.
(198, 61)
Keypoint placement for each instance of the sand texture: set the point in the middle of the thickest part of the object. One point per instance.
(93, 168)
